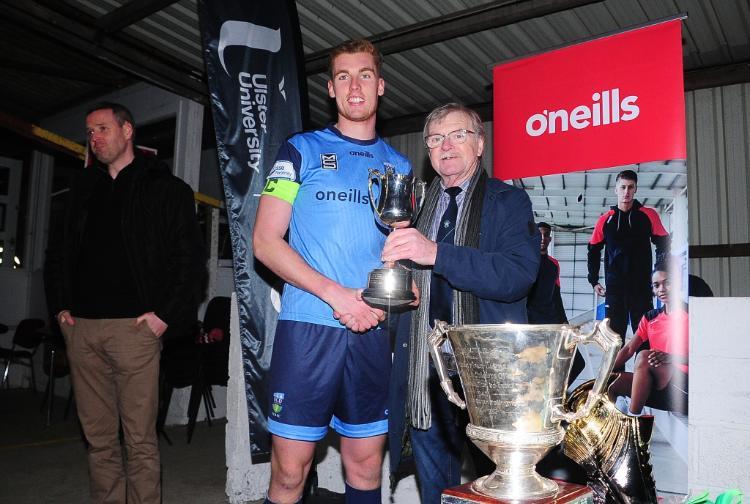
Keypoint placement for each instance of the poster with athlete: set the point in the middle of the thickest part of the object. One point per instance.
(595, 133)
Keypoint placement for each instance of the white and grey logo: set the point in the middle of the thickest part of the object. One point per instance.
(329, 162)
(242, 33)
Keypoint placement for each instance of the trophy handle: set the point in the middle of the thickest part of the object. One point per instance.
(610, 343)
(375, 174)
(435, 340)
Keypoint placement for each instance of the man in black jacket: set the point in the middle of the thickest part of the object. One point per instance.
(130, 268)
(544, 304)
(626, 232)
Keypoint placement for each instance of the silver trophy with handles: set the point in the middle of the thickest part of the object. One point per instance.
(514, 378)
(399, 200)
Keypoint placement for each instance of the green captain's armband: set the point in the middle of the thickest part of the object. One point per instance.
(283, 189)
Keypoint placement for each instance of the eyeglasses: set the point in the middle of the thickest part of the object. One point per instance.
(456, 137)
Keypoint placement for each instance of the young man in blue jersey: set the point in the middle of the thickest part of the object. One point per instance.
(331, 361)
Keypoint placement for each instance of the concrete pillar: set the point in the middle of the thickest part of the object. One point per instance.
(719, 426)
(187, 142)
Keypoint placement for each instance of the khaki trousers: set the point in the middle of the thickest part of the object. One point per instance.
(114, 368)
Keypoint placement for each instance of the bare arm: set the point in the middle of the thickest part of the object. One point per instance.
(627, 351)
(270, 248)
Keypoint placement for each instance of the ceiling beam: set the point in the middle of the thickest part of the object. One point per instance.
(589, 193)
(42, 136)
(59, 72)
(120, 51)
(458, 24)
(723, 75)
(415, 122)
(723, 250)
(130, 13)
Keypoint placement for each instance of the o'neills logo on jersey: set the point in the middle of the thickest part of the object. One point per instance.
(607, 108)
(352, 196)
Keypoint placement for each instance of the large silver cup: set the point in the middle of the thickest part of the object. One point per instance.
(514, 378)
(399, 201)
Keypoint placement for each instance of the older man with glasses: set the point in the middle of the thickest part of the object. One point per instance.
(475, 249)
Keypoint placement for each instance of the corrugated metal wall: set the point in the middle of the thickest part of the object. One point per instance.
(718, 139)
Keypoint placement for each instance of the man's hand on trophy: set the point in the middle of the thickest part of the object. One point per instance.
(409, 244)
(353, 313)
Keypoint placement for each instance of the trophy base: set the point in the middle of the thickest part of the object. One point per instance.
(388, 287)
(516, 455)
(568, 493)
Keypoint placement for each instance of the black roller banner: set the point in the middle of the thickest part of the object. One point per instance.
(253, 54)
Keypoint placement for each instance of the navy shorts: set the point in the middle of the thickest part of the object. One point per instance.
(325, 376)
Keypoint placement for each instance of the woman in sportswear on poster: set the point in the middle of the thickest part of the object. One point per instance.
(660, 375)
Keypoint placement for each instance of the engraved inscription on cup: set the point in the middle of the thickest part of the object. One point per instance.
(508, 387)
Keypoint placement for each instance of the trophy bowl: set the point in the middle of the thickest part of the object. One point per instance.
(397, 205)
(514, 378)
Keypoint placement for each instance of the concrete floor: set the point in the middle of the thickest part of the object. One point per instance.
(40, 464)
(47, 464)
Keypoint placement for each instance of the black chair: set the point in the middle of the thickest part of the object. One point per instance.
(199, 361)
(213, 349)
(179, 369)
(26, 341)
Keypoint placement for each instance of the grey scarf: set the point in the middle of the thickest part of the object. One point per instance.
(465, 304)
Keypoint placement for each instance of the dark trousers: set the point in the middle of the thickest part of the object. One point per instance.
(437, 450)
(624, 306)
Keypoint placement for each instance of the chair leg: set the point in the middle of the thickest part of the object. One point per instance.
(207, 402)
(51, 400)
(166, 398)
(8, 361)
(33, 375)
(210, 394)
(49, 391)
(196, 392)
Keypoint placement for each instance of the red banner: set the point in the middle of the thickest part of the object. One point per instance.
(609, 102)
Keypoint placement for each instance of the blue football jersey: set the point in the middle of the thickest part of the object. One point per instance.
(333, 226)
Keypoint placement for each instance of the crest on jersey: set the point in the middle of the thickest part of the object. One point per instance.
(329, 162)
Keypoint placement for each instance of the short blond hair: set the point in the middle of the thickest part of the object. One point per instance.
(353, 47)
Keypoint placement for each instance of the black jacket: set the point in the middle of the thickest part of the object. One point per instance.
(544, 304)
(627, 238)
(161, 235)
